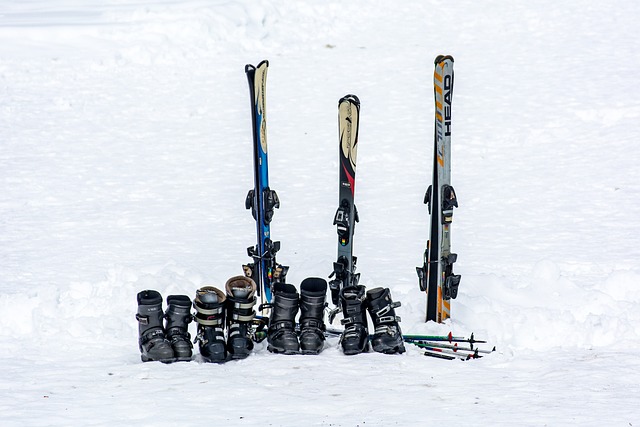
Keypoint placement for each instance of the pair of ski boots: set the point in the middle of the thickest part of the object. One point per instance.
(169, 341)
(282, 336)
(215, 310)
(387, 336)
(233, 310)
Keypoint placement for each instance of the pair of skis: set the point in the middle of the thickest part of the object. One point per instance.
(436, 275)
(346, 216)
(262, 200)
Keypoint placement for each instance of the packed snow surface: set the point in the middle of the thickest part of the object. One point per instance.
(125, 158)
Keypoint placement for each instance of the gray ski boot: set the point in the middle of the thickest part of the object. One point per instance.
(281, 334)
(178, 316)
(152, 341)
(241, 299)
(210, 310)
(387, 337)
(355, 338)
(313, 296)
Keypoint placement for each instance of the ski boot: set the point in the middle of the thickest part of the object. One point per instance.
(387, 337)
(313, 295)
(154, 346)
(281, 334)
(241, 298)
(178, 316)
(209, 304)
(355, 338)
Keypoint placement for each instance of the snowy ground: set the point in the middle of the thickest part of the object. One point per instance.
(125, 159)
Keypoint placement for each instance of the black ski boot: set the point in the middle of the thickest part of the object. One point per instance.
(178, 316)
(355, 338)
(152, 341)
(313, 295)
(241, 298)
(210, 306)
(387, 337)
(281, 334)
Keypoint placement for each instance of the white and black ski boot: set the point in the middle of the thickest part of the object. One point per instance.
(355, 338)
(241, 299)
(177, 317)
(281, 334)
(387, 337)
(153, 343)
(210, 309)
(313, 296)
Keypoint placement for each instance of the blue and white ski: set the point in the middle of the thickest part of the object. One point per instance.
(262, 201)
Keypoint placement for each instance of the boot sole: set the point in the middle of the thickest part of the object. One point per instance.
(210, 360)
(148, 359)
(240, 356)
(393, 350)
(282, 350)
(352, 352)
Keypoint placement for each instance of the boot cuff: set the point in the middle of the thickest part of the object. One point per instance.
(149, 297)
(241, 284)
(285, 289)
(180, 300)
(313, 285)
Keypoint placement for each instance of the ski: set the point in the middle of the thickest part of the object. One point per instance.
(436, 276)
(450, 337)
(262, 200)
(441, 356)
(454, 347)
(449, 355)
(347, 215)
(444, 338)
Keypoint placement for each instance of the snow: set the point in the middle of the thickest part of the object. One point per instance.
(125, 159)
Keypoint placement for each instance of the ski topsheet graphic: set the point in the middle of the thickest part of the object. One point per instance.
(262, 201)
(347, 215)
(436, 275)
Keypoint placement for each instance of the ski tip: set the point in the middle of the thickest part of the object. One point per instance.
(349, 98)
(252, 68)
(441, 58)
